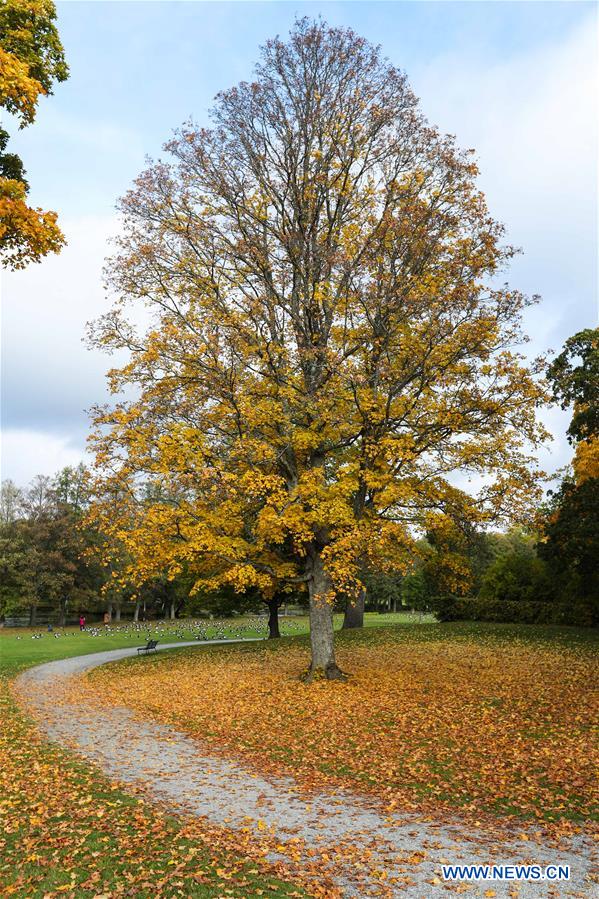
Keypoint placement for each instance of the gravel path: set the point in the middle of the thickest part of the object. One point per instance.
(364, 851)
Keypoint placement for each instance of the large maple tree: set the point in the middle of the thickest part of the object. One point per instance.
(327, 340)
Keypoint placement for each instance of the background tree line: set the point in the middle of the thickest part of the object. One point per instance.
(54, 564)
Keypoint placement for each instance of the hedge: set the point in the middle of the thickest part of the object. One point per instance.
(582, 613)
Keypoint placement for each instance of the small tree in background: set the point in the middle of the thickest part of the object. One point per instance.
(574, 377)
(43, 547)
(570, 546)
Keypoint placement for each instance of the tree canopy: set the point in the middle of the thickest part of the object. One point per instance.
(43, 545)
(570, 521)
(329, 339)
(574, 376)
(31, 61)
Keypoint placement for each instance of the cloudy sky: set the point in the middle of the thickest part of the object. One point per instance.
(515, 80)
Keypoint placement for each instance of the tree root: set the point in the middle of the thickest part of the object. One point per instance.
(329, 672)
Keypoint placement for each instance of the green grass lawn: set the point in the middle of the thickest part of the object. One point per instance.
(23, 647)
(20, 648)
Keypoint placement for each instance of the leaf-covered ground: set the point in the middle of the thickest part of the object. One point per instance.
(485, 720)
(65, 830)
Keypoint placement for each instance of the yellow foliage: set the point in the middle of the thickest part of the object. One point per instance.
(325, 350)
(31, 58)
(26, 234)
(586, 460)
(17, 88)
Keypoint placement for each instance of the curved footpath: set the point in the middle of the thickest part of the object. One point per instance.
(402, 856)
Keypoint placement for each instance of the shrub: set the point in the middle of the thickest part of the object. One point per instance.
(477, 608)
(449, 607)
(516, 577)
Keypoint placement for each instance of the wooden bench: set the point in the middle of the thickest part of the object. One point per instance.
(150, 645)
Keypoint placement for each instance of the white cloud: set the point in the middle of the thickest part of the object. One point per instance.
(49, 377)
(532, 121)
(26, 453)
(531, 117)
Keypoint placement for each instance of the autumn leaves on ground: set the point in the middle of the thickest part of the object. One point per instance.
(433, 719)
(76, 834)
(327, 353)
(457, 723)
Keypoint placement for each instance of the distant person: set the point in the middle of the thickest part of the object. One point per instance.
(50, 628)
(82, 622)
(106, 617)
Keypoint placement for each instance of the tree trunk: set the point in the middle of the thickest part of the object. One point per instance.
(62, 613)
(273, 618)
(322, 640)
(171, 610)
(179, 606)
(354, 611)
(109, 611)
(136, 612)
(32, 615)
(117, 612)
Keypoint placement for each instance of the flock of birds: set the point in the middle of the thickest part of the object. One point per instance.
(178, 630)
